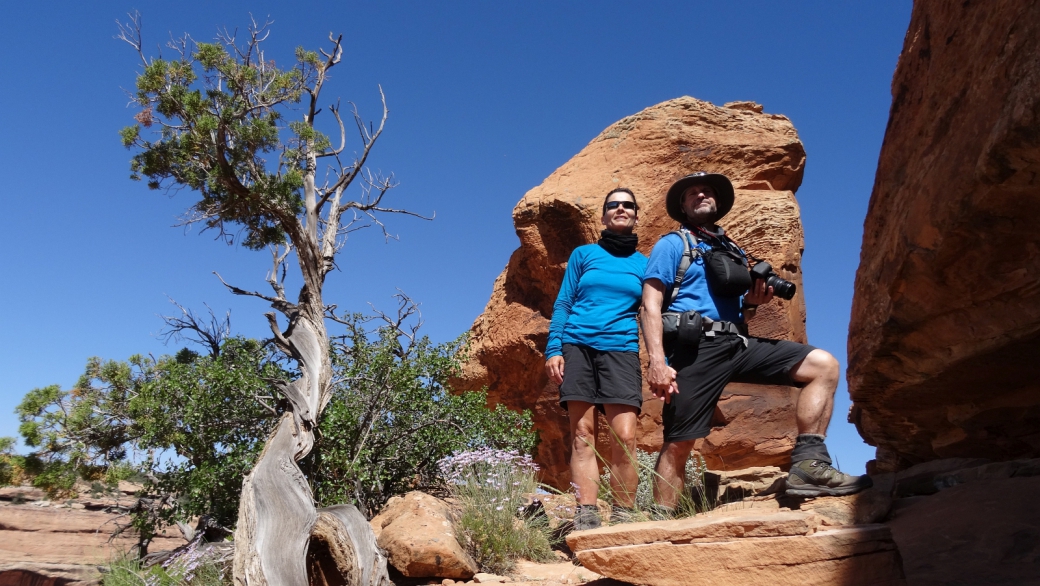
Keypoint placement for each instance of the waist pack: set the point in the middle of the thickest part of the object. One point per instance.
(684, 328)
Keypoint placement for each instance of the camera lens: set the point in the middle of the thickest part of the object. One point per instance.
(781, 288)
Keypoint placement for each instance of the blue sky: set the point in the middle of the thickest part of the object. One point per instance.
(486, 100)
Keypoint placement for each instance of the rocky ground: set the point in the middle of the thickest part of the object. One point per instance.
(947, 522)
(47, 542)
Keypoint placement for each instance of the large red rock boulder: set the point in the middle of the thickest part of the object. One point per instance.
(945, 322)
(647, 152)
(417, 532)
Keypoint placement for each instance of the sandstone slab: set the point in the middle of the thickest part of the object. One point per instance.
(748, 548)
(417, 534)
(945, 325)
(565, 572)
(646, 152)
(863, 508)
(45, 542)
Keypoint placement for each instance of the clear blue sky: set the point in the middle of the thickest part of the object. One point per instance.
(486, 99)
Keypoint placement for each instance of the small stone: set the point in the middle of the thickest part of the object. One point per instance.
(77, 506)
(484, 578)
(447, 582)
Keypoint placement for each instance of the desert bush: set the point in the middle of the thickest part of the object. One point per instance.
(12, 466)
(692, 500)
(188, 427)
(491, 488)
(392, 417)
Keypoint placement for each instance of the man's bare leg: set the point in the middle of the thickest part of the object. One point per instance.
(820, 371)
(584, 471)
(623, 476)
(670, 472)
(811, 471)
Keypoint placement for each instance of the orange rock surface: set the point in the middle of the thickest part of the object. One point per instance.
(743, 547)
(945, 327)
(647, 152)
(417, 534)
(52, 543)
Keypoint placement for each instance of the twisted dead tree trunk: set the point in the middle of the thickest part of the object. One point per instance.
(219, 106)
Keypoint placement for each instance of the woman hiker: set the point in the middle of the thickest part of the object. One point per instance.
(593, 355)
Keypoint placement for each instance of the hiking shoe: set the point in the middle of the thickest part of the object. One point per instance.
(818, 478)
(587, 518)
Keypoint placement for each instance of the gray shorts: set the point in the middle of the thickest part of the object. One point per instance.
(601, 378)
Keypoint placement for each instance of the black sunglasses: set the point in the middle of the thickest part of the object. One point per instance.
(628, 205)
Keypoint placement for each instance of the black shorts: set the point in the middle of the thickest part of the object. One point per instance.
(601, 378)
(704, 370)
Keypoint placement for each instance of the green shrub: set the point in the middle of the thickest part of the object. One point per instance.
(392, 417)
(491, 487)
(12, 466)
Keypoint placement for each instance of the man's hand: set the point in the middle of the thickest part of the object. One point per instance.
(554, 368)
(759, 293)
(661, 378)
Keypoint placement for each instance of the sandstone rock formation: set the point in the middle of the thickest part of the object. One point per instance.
(646, 152)
(45, 542)
(747, 548)
(973, 525)
(945, 322)
(417, 534)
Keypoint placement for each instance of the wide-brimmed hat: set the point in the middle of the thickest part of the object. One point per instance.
(720, 183)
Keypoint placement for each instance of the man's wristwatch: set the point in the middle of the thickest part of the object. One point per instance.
(744, 306)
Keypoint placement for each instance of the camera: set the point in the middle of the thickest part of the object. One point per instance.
(781, 288)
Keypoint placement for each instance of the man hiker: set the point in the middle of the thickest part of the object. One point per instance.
(698, 295)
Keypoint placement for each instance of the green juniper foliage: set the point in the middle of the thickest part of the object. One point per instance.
(220, 107)
(392, 417)
(11, 465)
(188, 425)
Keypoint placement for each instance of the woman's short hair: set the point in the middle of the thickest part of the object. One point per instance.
(616, 190)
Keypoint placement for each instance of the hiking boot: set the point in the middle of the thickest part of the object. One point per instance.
(587, 518)
(818, 478)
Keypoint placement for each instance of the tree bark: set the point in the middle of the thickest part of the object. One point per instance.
(276, 514)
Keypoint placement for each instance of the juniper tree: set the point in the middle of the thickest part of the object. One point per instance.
(218, 118)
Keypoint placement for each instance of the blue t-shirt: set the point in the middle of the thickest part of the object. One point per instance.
(694, 293)
(598, 302)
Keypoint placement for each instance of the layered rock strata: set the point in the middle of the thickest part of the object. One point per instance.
(747, 548)
(945, 321)
(647, 152)
(50, 542)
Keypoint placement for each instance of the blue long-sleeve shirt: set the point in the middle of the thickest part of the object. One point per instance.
(598, 302)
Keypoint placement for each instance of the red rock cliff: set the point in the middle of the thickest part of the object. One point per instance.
(946, 315)
(646, 152)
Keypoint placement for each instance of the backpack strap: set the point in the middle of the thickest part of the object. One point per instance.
(689, 253)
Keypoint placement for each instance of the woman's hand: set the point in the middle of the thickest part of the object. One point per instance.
(662, 380)
(554, 368)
